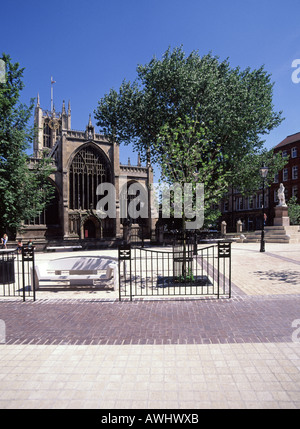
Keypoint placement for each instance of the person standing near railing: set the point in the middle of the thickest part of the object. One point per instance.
(4, 241)
(20, 245)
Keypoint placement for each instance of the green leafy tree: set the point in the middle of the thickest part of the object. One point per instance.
(294, 211)
(246, 177)
(235, 105)
(188, 157)
(24, 186)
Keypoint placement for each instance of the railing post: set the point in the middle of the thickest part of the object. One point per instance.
(124, 254)
(224, 251)
(218, 294)
(229, 277)
(23, 274)
(33, 275)
(28, 256)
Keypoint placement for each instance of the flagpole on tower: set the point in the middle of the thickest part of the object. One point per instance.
(52, 82)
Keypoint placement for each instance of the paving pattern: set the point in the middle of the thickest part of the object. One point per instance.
(88, 350)
(199, 321)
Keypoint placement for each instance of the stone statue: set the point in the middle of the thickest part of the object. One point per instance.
(281, 196)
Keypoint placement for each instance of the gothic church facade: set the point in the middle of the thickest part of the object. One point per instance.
(82, 160)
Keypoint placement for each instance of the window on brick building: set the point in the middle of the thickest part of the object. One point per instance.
(295, 172)
(295, 191)
(251, 202)
(240, 203)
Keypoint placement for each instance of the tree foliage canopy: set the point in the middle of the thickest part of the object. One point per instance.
(237, 104)
(188, 158)
(235, 107)
(24, 190)
(294, 211)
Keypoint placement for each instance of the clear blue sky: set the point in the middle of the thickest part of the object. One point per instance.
(91, 46)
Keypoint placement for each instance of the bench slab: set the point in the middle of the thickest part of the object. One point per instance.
(62, 248)
(82, 270)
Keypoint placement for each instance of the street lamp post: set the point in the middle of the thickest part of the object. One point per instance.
(263, 171)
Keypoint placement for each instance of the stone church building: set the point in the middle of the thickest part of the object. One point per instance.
(82, 160)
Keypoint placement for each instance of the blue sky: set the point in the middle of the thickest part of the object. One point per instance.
(90, 46)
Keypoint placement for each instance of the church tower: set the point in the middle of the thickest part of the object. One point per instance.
(49, 126)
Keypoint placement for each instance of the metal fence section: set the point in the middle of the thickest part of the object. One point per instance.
(134, 235)
(16, 273)
(187, 271)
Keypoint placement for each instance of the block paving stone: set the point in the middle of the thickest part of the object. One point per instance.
(242, 319)
(69, 350)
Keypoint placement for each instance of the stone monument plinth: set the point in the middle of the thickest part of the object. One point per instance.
(281, 210)
(281, 216)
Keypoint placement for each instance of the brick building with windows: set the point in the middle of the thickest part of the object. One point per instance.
(290, 175)
(249, 209)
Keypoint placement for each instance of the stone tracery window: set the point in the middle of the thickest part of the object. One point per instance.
(88, 170)
(47, 135)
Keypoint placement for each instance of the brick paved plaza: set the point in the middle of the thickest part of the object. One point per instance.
(81, 349)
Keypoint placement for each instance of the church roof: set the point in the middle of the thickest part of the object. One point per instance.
(293, 138)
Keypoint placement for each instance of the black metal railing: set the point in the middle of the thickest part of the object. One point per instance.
(169, 237)
(189, 270)
(134, 235)
(17, 273)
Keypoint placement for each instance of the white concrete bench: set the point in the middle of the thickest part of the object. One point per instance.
(81, 270)
(62, 248)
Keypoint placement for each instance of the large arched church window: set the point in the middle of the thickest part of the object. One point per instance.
(89, 169)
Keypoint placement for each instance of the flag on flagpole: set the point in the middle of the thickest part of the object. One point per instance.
(52, 81)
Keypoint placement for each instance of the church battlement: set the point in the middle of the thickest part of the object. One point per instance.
(82, 135)
(133, 169)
